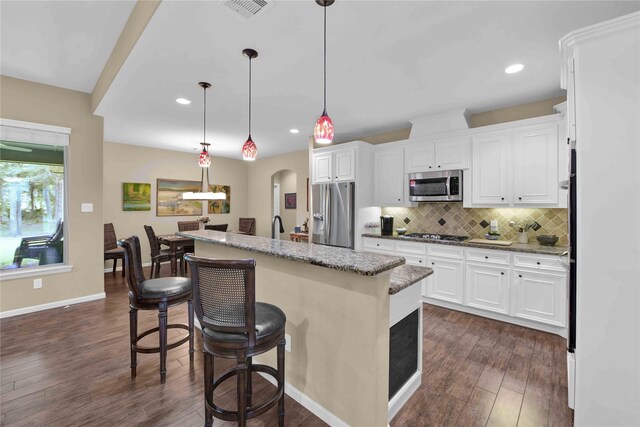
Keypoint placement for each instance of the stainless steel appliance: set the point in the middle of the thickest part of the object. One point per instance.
(386, 225)
(443, 186)
(333, 214)
(430, 236)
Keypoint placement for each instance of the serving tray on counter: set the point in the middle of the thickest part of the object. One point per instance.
(491, 242)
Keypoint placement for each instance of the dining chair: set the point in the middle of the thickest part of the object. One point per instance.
(111, 249)
(160, 255)
(216, 227)
(46, 249)
(188, 226)
(247, 226)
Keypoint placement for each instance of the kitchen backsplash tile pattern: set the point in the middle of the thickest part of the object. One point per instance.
(452, 218)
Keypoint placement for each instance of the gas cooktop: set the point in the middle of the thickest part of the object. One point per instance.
(429, 236)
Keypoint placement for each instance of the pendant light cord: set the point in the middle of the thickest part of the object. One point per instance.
(325, 60)
(249, 96)
(204, 120)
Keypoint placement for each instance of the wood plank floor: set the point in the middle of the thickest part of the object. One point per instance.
(70, 367)
(481, 372)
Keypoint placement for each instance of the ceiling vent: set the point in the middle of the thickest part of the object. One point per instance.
(247, 8)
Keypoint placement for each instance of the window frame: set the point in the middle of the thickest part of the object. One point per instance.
(37, 133)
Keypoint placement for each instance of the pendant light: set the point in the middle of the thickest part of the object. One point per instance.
(204, 161)
(323, 130)
(249, 149)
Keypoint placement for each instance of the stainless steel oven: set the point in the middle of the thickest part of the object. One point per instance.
(443, 186)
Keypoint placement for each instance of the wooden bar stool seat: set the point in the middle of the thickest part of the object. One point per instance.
(234, 326)
(154, 294)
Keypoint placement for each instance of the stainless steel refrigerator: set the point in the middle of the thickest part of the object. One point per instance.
(333, 214)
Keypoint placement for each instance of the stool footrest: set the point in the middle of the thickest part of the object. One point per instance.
(145, 349)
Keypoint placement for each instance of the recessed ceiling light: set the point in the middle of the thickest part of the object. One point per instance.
(515, 68)
(294, 131)
(183, 101)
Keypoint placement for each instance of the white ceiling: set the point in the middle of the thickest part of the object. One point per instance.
(388, 62)
(61, 43)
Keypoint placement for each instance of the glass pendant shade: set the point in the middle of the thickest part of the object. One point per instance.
(204, 160)
(323, 130)
(249, 150)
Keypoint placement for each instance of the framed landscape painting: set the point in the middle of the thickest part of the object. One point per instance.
(169, 198)
(220, 206)
(136, 196)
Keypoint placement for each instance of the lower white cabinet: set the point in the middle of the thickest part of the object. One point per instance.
(540, 296)
(487, 287)
(447, 280)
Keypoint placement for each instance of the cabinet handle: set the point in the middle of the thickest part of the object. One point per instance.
(377, 244)
(519, 275)
(398, 199)
(336, 177)
(429, 167)
(420, 261)
(501, 198)
(538, 262)
(486, 257)
(519, 198)
(438, 165)
(433, 263)
(502, 273)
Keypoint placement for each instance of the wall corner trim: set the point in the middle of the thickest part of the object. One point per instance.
(50, 305)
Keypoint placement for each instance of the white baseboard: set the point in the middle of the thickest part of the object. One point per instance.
(405, 392)
(47, 306)
(310, 404)
(109, 270)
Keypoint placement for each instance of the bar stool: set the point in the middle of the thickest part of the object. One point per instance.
(154, 294)
(234, 326)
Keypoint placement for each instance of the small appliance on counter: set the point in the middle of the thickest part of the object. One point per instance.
(386, 225)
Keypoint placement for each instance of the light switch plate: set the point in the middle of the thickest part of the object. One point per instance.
(87, 207)
(37, 283)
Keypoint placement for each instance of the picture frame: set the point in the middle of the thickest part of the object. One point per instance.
(169, 198)
(136, 196)
(220, 206)
(290, 200)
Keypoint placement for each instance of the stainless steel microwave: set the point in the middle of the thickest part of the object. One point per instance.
(443, 186)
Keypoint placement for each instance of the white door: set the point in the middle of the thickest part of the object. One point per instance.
(344, 165)
(419, 157)
(536, 165)
(388, 176)
(322, 168)
(276, 205)
(446, 281)
(488, 287)
(540, 296)
(452, 153)
(489, 185)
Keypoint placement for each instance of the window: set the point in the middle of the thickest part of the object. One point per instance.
(33, 194)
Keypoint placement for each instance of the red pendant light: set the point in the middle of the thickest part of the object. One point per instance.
(249, 149)
(323, 130)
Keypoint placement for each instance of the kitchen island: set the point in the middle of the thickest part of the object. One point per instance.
(339, 312)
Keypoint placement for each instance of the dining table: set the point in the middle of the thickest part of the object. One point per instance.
(175, 244)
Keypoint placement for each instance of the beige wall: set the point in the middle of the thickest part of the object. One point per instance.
(260, 188)
(518, 112)
(33, 102)
(130, 163)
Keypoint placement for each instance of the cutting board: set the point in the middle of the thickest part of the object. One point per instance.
(491, 242)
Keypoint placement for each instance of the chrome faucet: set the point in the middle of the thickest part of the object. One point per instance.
(273, 226)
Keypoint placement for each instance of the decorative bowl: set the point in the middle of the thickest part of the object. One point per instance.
(491, 236)
(401, 231)
(547, 240)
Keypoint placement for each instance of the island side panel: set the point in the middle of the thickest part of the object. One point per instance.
(339, 327)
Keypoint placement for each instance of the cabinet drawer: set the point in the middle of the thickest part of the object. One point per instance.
(446, 251)
(491, 257)
(420, 261)
(537, 261)
(411, 248)
(385, 245)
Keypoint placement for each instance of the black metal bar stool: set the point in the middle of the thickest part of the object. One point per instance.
(154, 294)
(234, 326)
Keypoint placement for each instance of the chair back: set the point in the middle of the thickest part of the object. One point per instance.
(188, 225)
(132, 263)
(110, 240)
(58, 234)
(224, 294)
(153, 240)
(216, 227)
(247, 226)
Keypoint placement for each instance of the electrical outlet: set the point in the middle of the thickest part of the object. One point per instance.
(287, 344)
(37, 283)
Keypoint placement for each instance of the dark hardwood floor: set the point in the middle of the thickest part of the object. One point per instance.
(481, 372)
(70, 367)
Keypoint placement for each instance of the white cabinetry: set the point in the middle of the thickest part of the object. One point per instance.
(540, 296)
(490, 169)
(446, 282)
(441, 154)
(536, 165)
(488, 287)
(334, 166)
(388, 176)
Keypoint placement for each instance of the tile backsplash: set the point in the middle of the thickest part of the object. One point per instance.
(452, 218)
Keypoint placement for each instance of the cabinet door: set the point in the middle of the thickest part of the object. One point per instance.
(490, 169)
(452, 153)
(488, 287)
(536, 165)
(540, 296)
(388, 173)
(446, 282)
(419, 157)
(322, 168)
(344, 162)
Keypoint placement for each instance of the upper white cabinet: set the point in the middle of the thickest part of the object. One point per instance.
(388, 176)
(440, 154)
(536, 165)
(516, 166)
(334, 166)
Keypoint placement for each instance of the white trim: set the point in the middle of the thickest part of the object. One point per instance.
(497, 316)
(47, 306)
(314, 407)
(403, 395)
(35, 133)
(21, 273)
(109, 270)
(35, 126)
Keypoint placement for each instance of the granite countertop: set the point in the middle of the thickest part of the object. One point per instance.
(364, 263)
(514, 247)
(406, 275)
